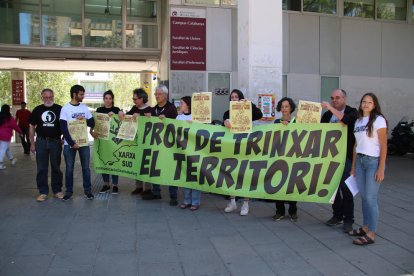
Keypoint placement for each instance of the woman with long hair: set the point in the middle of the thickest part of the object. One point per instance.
(7, 125)
(368, 164)
(110, 109)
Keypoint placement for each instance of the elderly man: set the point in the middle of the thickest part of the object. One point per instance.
(163, 109)
(44, 121)
(339, 112)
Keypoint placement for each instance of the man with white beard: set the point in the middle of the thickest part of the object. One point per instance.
(44, 122)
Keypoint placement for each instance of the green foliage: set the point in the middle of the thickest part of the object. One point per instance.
(122, 85)
(59, 82)
(5, 88)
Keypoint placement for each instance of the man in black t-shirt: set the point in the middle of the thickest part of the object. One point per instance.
(44, 121)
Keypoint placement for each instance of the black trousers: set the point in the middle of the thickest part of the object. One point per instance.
(343, 206)
(25, 139)
(280, 207)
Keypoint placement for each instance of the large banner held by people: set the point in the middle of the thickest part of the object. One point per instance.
(300, 162)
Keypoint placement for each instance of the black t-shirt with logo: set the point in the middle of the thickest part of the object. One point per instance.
(46, 121)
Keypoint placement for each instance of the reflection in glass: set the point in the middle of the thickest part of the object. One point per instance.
(20, 22)
(392, 9)
(62, 23)
(359, 8)
(291, 5)
(320, 6)
(103, 23)
(141, 36)
(229, 2)
(144, 11)
(205, 2)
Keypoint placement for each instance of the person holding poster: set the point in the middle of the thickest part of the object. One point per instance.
(237, 95)
(140, 108)
(368, 163)
(340, 112)
(191, 197)
(110, 109)
(163, 109)
(75, 110)
(286, 106)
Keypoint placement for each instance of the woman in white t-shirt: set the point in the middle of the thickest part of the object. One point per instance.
(191, 196)
(368, 163)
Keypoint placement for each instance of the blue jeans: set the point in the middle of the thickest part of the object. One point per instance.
(70, 155)
(106, 178)
(48, 150)
(156, 190)
(192, 197)
(5, 150)
(365, 169)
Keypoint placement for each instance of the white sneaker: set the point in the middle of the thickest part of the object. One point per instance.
(13, 161)
(244, 209)
(2, 167)
(230, 207)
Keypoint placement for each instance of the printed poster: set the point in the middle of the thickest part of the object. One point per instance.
(79, 132)
(201, 107)
(128, 128)
(309, 112)
(267, 105)
(241, 116)
(102, 126)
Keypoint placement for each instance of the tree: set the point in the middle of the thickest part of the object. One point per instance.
(5, 88)
(59, 82)
(122, 84)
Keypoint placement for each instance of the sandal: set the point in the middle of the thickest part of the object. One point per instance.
(365, 240)
(184, 206)
(357, 232)
(194, 207)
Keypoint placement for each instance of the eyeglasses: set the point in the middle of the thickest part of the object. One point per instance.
(134, 99)
(47, 98)
(336, 98)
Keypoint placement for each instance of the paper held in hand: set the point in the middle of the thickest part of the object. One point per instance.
(241, 117)
(128, 128)
(352, 185)
(79, 132)
(102, 126)
(309, 112)
(201, 107)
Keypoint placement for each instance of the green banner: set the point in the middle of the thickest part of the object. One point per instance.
(300, 162)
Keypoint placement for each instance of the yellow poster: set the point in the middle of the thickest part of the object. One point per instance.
(309, 112)
(201, 107)
(79, 132)
(102, 125)
(241, 116)
(128, 128)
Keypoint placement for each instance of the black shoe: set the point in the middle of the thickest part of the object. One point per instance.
(333, 221)
(173, 202)
(278, 217)
(347, 227)
(293, 217)
(145, 192)
(150, 196)
(89, 196)
(104, 189)
(115, 190)
(66, 197)
(137, 191)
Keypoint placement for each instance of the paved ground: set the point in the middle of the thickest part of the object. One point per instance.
(123, 235)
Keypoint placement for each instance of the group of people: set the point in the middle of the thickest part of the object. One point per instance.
(365, 158)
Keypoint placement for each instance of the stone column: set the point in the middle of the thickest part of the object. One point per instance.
(259, 48)
(17, 75)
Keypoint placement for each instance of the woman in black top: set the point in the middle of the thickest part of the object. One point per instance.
(286, 106)
(237, 95)
(110, 109)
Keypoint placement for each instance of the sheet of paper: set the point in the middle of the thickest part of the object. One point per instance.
(102, 126)
(79, 132)
(128, 128)
(309, 112)
(241, 116)
(352, 185)
(201, 107)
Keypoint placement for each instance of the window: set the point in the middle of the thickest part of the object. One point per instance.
(291, 5)
(392, 9)
(103, 23)
(203, 2)
(320, 6)
(359, 8)
(141, 28)
(62, 24)
(328, 84)
(20, 22)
